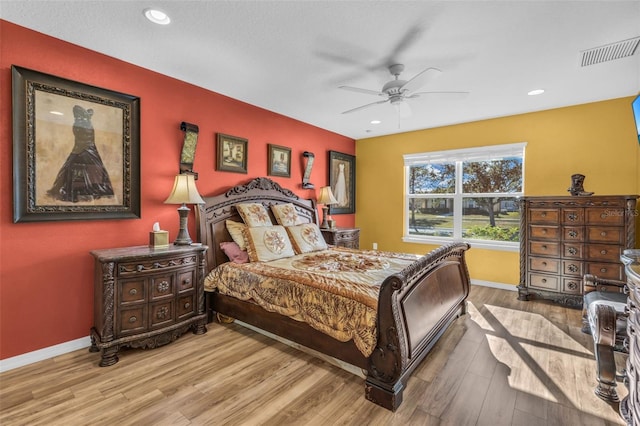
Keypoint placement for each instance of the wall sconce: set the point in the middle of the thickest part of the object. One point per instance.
(184, 192)
(326, 198)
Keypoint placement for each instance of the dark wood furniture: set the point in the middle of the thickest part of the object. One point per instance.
(342, 237)
(630, 405)
(415, 307)
(564, 238)
(145, 297)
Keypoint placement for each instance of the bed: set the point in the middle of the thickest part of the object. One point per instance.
(414, 304)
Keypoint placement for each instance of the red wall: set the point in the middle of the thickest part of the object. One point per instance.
(46, 271)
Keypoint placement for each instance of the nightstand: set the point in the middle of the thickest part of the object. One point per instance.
(342, 237)
(146, 297)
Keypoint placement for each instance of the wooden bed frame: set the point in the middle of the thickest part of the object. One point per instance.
(414, 309)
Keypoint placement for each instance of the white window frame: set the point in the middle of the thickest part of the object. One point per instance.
(458, 156)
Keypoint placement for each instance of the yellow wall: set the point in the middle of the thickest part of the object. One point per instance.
(597, 140)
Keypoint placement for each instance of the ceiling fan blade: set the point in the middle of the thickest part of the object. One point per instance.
(421, 79)
(439, 95)
(364, 106)
(409, 37)
(365, 91)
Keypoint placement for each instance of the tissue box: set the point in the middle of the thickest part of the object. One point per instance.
(159, 239)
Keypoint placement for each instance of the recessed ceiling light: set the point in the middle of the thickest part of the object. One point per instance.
(376, 121)
(536, 92)
(157, 16)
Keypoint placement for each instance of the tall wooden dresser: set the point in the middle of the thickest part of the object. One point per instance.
(563, 238)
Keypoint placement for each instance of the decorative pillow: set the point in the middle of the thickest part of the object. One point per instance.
(235, 230)
(234, 253)
(286, 214)
(306, 237)
(254, 214)
(266, 243)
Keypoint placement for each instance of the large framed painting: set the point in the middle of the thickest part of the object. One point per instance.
(279, 161)
(76, 150)
(342, 179)
(231, 153)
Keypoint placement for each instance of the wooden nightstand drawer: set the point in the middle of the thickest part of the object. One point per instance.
(132, 320)
(186, 280)
(161, 286)
(161, 314)
(132, 291)
(342, 237)
(185, 306)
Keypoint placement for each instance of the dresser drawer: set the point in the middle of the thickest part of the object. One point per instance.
(161, 313)
(605, 216)
(572, 216)
(550, 216)
(186, 306)
(545, 282)
(132, 291)
(604, 252)
(186, 280)
(572, 285)
(572, 268)
(603, 234)
(613, 271)
(572, 250)
(544, 264)
(573, 233)
(132, 320)
(161, 286)
(542, 232)
(544, 248)
(153, 265)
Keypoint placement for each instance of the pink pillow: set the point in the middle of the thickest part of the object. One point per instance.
(233, 252)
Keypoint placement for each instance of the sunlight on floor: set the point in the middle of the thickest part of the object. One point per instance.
(541, 357)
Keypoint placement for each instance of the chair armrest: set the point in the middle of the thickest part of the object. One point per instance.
(593, 283)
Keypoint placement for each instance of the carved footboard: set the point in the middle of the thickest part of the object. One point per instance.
(415, 308)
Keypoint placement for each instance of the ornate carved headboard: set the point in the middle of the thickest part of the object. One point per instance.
(210, 217)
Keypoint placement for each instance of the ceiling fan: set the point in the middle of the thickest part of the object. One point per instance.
(397, 91)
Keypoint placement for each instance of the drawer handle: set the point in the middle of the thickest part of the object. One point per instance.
(139, 268)
(573, 250)
(603, 252)
(163, 286)
(187, 281)
(603, 234)
(573, 268)
(162, 313)
(544, 263)
(603, 215)
(543, 214)
(573, 217)
(544, 247)
(544, 230)
(133, 319)
(603, 269)
(133, 292)
(573, 234)
(544, 280)
(187, 305)
(572, 285)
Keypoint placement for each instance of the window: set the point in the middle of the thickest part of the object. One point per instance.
(466, 194)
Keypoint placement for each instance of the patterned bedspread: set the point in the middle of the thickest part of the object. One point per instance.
(335, 291)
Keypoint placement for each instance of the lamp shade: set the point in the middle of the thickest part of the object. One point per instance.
(184, 191)
(326, 196)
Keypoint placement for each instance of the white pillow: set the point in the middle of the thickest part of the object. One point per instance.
(306, 238)
(265, 243)
(254, 214)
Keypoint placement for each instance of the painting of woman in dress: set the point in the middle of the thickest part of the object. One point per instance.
(342, 177)
(83, 176)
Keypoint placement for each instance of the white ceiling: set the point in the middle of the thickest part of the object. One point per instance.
(291, 56)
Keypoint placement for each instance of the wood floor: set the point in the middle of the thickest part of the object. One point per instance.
(505, 363)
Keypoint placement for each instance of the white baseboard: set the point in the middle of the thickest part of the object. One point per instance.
(501, 286)
(45, 353)
(85, 342)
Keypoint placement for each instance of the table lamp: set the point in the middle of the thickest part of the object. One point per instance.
(184, 192)
(326, 198)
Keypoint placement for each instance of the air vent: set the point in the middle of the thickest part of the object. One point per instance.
(609, 52)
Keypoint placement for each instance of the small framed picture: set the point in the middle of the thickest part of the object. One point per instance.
(279, 161)
(231, 153)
